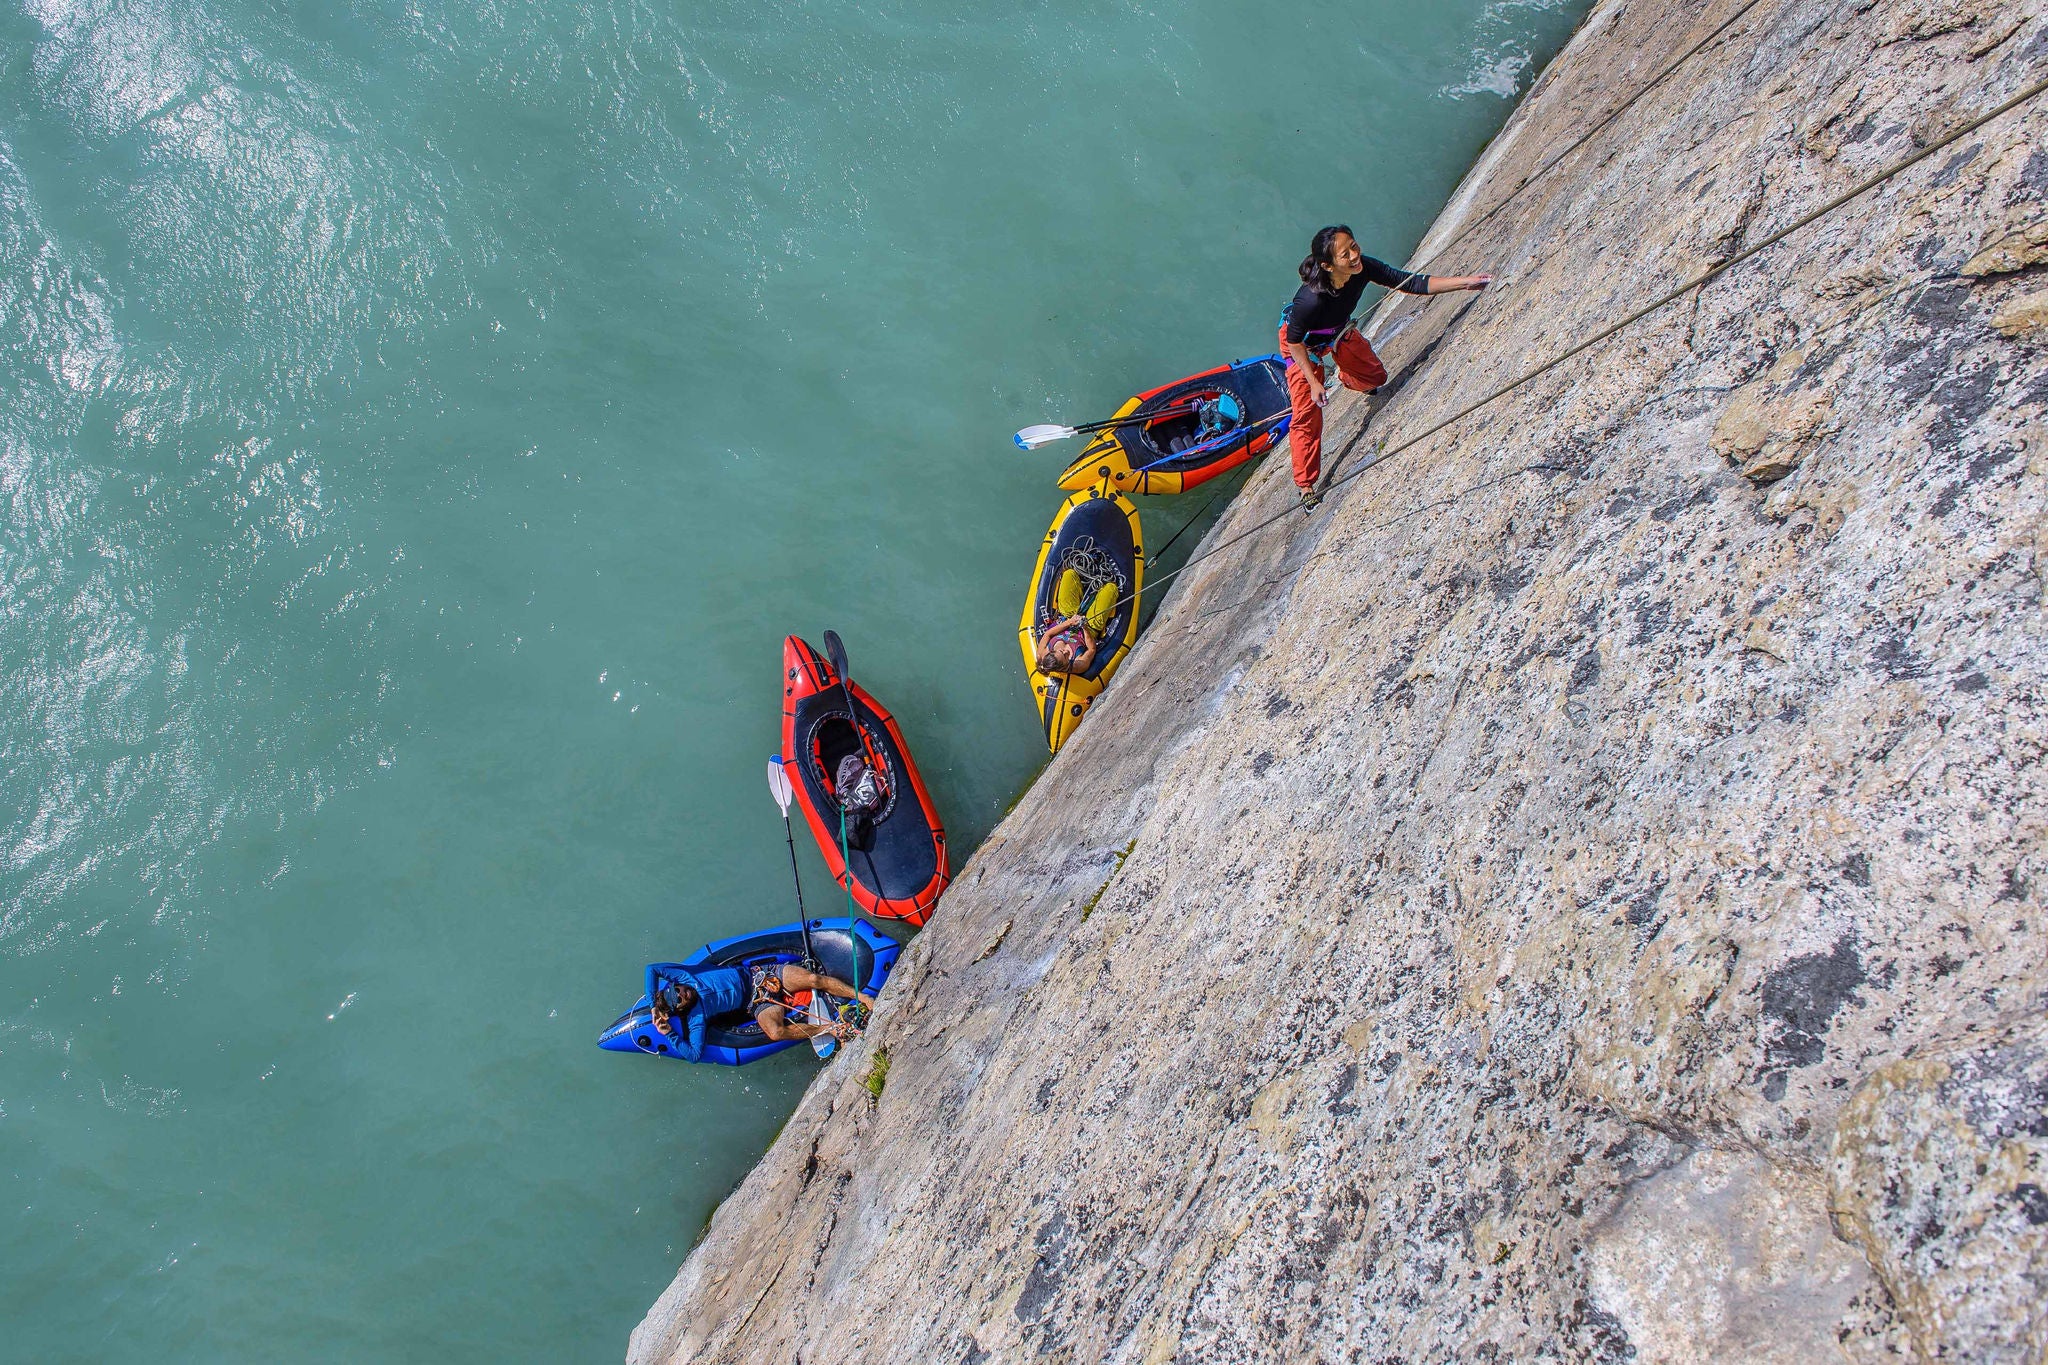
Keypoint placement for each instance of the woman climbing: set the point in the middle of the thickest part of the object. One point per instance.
(1317, 322)
(1068, 645)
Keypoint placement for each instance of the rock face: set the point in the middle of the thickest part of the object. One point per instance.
(1578, 896)
(1938, 1174)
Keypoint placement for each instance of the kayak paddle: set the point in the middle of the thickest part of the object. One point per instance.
(780, 789)
(835, 654)
(1033, 437)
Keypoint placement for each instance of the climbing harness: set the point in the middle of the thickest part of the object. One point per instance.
(765, 987)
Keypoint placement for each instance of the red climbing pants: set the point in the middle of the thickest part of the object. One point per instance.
(1358, 367)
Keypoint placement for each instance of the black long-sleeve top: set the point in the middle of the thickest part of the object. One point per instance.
(1313, 318)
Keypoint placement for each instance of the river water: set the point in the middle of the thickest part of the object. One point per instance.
(419, 425)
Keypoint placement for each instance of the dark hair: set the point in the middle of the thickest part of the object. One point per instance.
(1315, 267)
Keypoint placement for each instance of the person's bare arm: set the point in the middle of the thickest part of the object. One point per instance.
(1451, 284)
(775, 1023)
(803, 979)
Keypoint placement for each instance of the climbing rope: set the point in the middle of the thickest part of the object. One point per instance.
(852, 906)
(1591, 133)
(1447, 500)
(1856, 191)
(1160, 554)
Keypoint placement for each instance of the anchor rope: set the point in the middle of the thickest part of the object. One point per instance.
(1591, 133)
(1854, 192)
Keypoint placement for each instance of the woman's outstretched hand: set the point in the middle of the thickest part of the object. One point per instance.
(1451, 284)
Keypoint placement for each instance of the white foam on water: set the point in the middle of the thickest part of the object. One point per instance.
(1499, 74)
(1499, 64)
(129, 1096)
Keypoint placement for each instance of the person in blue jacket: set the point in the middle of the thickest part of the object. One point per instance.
(685, 1000)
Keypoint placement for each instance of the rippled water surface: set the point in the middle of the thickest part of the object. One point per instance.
(419, 425)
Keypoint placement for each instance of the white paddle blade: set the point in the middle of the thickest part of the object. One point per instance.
(819, 1012)
(1033, 437)
(778, 784)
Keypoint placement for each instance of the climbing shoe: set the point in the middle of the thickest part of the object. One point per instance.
(1310, 500)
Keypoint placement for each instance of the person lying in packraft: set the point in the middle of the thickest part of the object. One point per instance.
(1069, 643)
(1317, 323)
(684, 1001)
(860, 791)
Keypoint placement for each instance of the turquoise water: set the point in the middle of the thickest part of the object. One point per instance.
(419, 425)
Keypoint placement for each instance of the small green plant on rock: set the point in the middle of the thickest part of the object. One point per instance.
(1096, 899)
(877, 1074)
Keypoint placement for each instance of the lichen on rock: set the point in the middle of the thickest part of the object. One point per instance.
(1769, 422)
(2019, 243)
(1939, 1172)
(2025, 317)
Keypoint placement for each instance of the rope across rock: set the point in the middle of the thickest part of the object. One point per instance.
(1707, 276)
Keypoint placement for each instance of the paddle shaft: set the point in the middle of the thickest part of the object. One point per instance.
(1134, 418)
(780, 789)
(835, 654)
(852, 935)
(1031, 438)
(803, 918)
